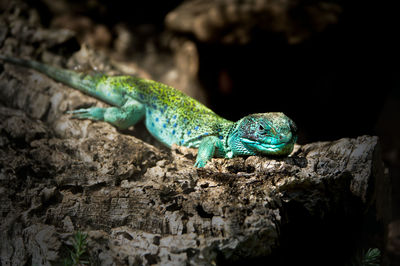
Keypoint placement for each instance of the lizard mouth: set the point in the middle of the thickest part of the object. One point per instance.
(266, 148)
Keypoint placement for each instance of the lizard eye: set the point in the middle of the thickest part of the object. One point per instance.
(263, 130)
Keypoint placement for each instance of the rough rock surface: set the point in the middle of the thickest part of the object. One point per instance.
(145, 206)
(229, 21)
(140, 204)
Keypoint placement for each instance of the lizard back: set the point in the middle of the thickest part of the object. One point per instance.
(172, 116)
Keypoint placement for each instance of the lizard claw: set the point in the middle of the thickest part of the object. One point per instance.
(78, 111)
(200, 164)
(94, 113)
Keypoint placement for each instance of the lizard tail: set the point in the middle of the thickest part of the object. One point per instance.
(82, 82)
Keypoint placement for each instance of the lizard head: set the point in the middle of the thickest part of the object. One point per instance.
(265, 133)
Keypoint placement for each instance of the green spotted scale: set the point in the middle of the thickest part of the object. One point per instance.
(173, 117)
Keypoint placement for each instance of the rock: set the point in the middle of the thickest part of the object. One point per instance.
(233, 22)
(393, 242)
(159, 209)
(143, 204)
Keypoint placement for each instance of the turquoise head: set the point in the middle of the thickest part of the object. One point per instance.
(263, 134)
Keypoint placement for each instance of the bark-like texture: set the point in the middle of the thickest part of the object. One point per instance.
(230, 21)
(139, 202)
(145, 205)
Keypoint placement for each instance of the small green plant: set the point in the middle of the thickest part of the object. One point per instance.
(77, 254)
(371, 257)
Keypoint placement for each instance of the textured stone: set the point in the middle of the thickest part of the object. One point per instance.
(141, 203)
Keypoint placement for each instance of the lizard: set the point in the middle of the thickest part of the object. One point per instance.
(172, 117)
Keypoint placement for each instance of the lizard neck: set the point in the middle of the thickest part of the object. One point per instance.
(235, 145)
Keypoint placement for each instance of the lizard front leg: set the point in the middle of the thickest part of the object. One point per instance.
(207, 150)
(121, 117)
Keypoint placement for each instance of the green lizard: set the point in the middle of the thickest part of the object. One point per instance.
(173, 117)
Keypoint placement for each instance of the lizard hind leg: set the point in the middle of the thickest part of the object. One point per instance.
(121, 117)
